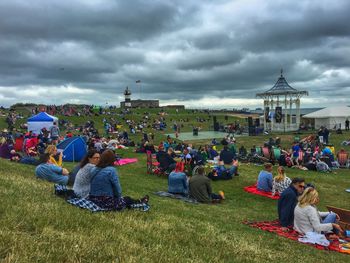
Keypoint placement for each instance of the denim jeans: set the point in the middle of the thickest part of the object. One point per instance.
(331, 218)
(232, 170)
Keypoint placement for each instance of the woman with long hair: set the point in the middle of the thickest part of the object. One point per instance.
(281, 182)
(308, 219)
(5, 149)
(52, 151)
(82, 181)
(105, 189)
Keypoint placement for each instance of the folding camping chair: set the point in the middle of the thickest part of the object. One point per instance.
(266, 152)
(277, 153)
(19, 144)
(301, 157)
(152, 163)
(343, 159)
(258, 151)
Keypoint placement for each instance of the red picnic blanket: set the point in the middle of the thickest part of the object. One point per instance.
(275, 227)
(125, 161)
(253, 190)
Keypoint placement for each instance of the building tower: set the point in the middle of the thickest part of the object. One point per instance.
(127, 94)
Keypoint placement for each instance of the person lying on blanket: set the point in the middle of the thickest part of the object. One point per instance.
(281, 182)
(177, 180)
(308, 219)
(200, 188)
(17, 157)
(265, 178)
(82, 181)
(287, 202)
(51, 172)
(105, 189)
(220, 172)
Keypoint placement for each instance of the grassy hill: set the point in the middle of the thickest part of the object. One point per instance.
(37, 226)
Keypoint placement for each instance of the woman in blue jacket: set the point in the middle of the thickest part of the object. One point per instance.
(105, 189)
(177, 180)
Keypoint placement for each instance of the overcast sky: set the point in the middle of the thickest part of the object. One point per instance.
(198, 53)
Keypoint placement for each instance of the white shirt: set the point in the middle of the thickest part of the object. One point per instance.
(308, 219)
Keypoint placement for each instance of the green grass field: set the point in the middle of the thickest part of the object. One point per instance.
(37, 226)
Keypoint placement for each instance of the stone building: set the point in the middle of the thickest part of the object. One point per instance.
(129, 103)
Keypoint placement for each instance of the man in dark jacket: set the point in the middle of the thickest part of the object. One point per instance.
(226, 155)
(166, 162)
(288, 200)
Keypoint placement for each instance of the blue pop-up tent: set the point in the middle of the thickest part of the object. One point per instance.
(74, 149)
(39, 121)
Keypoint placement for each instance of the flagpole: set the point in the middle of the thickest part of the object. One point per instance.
(139, 82)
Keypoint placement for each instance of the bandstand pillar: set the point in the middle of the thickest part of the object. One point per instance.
(265, 105)
(285, 113)
(290, 113)
(272, 115)
(297, 103)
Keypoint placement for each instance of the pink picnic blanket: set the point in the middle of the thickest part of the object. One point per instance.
(253, 190)
(125, 161)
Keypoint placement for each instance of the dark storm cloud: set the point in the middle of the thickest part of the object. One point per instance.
(103, 23)
(88, 51)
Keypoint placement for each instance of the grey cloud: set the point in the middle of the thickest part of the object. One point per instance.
(114, 22)
(179, 50)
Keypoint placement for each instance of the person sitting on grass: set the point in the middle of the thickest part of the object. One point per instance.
(18, 158)
(52, 151)
(5, 148)
(82, 181)
(220, 172)
(308, 219)
(166, 162)
(186, 156)
(200, 188)
(321, 166)
(226, 155)
(212, 152)
(265, 178)
(105, 189)
(171, 152)
(295, 155)
(281, 182)
(51, 172)
(288, 200)
(177, 180)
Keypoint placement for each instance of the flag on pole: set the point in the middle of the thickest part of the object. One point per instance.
(138, 81)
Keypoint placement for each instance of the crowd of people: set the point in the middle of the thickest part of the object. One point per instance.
(190, 170)
(305, 154)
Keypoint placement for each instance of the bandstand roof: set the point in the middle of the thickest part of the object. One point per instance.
(281, 88)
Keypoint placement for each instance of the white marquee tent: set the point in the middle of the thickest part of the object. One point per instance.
(39, 121)
(330, 117)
